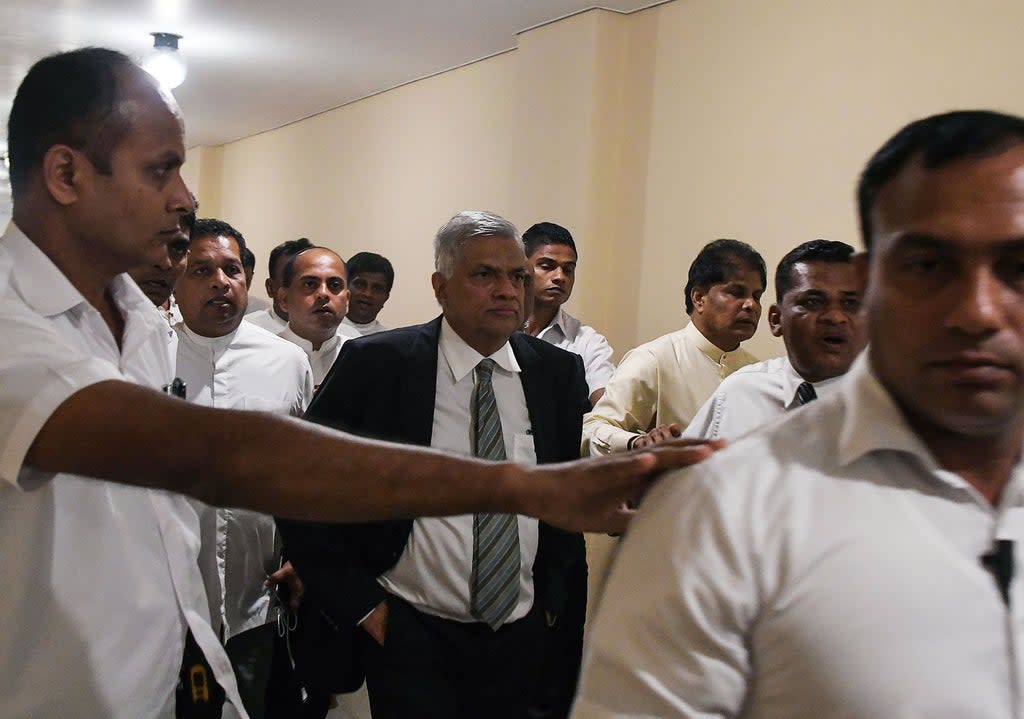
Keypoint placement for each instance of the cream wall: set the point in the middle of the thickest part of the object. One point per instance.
(764, 112)
(647, 135)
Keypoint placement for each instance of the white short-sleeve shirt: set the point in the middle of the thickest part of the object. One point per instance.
(751, 397)
(101, 579)
(823, 566)
(568, 333)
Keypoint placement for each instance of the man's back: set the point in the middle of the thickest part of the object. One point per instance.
(788, 551)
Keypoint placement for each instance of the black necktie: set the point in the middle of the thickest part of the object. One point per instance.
(805, 393)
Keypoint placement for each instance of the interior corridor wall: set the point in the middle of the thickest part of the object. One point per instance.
(381, 174)
(764, 113)
(647, 135)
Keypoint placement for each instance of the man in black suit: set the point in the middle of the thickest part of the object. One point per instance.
(457, 617)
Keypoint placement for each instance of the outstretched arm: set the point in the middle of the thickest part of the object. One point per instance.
(277, 465)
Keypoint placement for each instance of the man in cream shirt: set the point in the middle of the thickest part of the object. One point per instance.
(232, 364)
(659, 386)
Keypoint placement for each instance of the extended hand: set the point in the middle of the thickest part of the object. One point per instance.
(591, 495)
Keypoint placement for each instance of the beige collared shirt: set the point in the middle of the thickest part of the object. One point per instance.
(663, 381)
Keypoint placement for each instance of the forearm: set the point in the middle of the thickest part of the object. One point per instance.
(277, 465)
(305, 471)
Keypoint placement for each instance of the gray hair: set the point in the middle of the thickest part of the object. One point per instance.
(463, 227)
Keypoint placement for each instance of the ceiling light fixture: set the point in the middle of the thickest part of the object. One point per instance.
(165, 63)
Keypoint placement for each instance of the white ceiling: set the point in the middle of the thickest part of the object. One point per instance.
(256, 66)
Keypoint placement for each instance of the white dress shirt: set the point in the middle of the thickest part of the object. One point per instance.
(433, 572)
(664, 381)
(568, 333)
(370, 328)
(752, 397)
(268, 320)
(254, 370)
(823, 566)
(101, 579)
(320, 360)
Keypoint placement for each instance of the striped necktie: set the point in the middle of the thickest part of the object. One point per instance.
(805, 393)
(494, 586)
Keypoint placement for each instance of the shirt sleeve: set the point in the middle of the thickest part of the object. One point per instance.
(670, 637)
(628, 407)
(39, 370)
(597, 360)
(707, 422)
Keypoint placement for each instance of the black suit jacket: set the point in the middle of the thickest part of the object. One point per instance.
(383, 386)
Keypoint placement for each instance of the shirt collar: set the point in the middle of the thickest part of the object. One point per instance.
(565, 323)
(49, 292)
(874, 422)
(791, 382)
(463, 359)
(706, 346)
(214, 344)
(307, 346)
(36, 279)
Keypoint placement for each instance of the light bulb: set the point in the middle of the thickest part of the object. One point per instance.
(165, 62)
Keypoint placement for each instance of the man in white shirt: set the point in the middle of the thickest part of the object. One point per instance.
(232, 364)
(88, 442)
(314, 293)
(817, 313)
(659, 386)
(370, 279)
(451, 615)
(274, 318)
(552, 254)
(856, 558)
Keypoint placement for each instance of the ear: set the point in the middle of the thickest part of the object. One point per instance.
(63, 173)
(440, 284)
(775, 320)
(268, 285)
(697, 295)
(282, 298)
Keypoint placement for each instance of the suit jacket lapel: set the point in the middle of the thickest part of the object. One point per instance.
(416, 413)
(539, 398)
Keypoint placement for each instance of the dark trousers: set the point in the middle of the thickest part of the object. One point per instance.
(433, 668)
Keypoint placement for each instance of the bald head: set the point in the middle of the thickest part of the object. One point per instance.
(314, 293)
